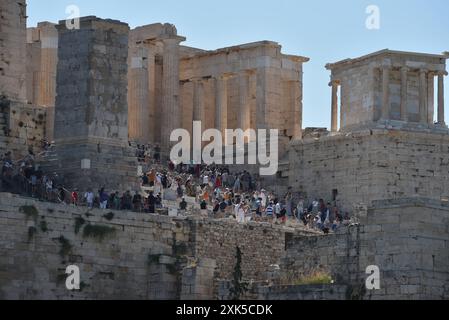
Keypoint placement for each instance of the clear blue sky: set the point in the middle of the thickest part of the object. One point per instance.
(324, 30)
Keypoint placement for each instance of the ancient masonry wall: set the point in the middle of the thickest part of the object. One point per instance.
(22, 128)
(13, 49)
(407, 239)
(144, 256)
(91, 113)
(139, 256)
(371, 165)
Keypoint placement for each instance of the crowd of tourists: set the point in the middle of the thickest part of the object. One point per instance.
(214, 191)
(222, 194)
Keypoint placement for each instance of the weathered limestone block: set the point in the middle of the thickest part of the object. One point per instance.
(91, 114)
(13, 50)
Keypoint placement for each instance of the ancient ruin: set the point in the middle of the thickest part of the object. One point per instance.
(98, 90)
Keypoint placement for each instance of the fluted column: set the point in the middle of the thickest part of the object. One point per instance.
(385, 93)
(151, 66)
(171, 112)
(49, 59)
(423, 95)
(198, 115)
(441, 110)
(244, 111)
(297, 110)
(404, 79)
(430, 97)
(334, 111)
(198, 99)
(138, 97)
(221, 111)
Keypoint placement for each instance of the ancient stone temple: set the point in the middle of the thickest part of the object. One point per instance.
(388, 146)
(248, 86)
(388, 87)
(91, 113)
(153, 92)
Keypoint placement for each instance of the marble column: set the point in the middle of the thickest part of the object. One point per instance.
(297, 110)
(441, 110)
(403, 107)
(430, 97)
(198, 115)
(152, 113)
(171, 112)
(198, 101)
(385, 93)
(138, 96)
(334, 112)
(49, 59)
(221, 103)
(244, 111)
(423, 95)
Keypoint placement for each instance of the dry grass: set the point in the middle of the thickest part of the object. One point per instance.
(315, 277)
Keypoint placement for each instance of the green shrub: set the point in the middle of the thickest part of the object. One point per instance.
(66, 247)
(153, 259)
(109, 216)
(31, 232)
(30, 211)
(97, 231)
(239, 287)
(43, 225)
(79, 222)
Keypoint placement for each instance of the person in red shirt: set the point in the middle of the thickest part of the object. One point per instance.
(75, 197)
(218, 182)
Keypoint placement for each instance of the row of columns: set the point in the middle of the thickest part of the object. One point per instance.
(245, 78)
(426, 96)
(171, 115)
(221, 100)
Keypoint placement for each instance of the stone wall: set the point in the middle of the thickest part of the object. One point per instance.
(23, 127)
(13, 49)
(262, 245)
(371, 165)
(160, 257)
(260, 291)
(145, 257)
(407, 239)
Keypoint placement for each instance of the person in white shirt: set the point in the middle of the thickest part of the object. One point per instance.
(89, 196)
(241, 213)
(263, 196)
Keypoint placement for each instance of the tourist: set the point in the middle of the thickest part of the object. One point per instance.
(183, 205)
(137, 202)
(117, 201)
(241, 212)
(282, 215)
(74, 197)
(203, 207)
(151, 202)
(300, 210)
(103, 197)
(89, 196)
(216, 208)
